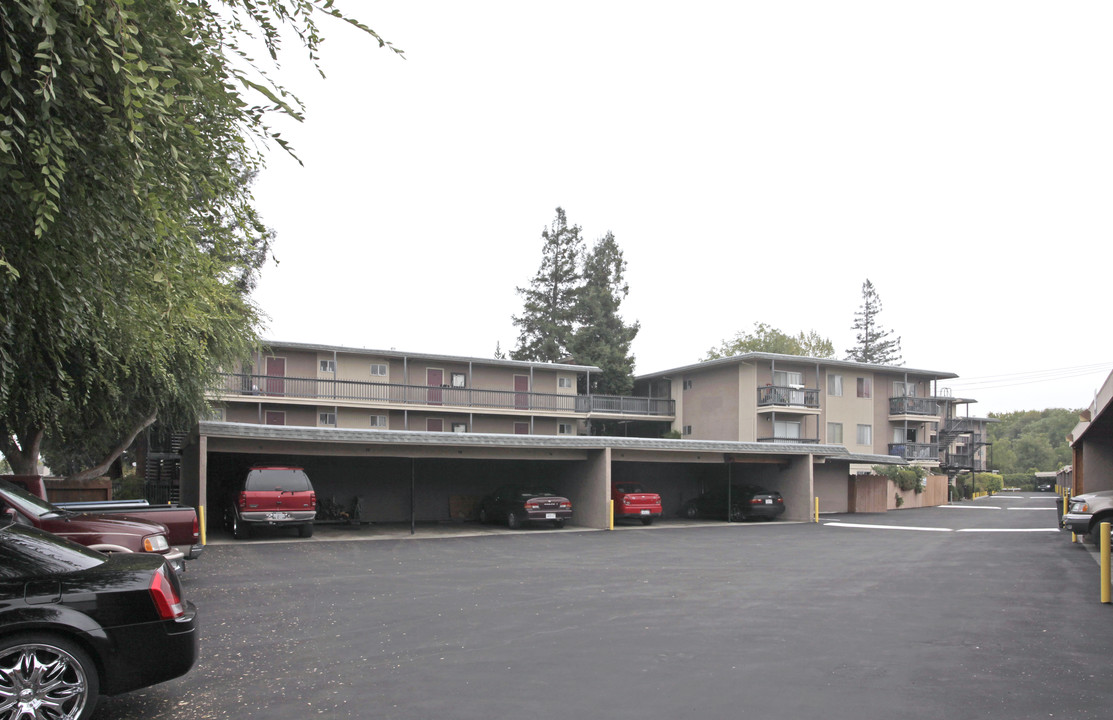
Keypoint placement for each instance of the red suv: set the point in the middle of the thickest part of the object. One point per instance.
(273, 497)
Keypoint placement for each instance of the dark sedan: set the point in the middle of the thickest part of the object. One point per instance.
(747, 502)
(76, 624)
(517, 505)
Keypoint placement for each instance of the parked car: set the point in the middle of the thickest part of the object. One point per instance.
(76, 624)
(182, 526)
(747, 502)
(272, 497)
(632, 501)
(1045, 487)
(516, 505)
(1086, 512)
(105, 533)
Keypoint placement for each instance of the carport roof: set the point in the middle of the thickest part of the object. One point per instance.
(864, 458)
(592, 442)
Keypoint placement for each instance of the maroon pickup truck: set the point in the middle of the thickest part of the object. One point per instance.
(172, 532)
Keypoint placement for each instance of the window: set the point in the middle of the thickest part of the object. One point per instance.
(834, 385)
(565, 429)
(687, 384)
(903, 389)
(834, 433)
(521, 428)
(274, 417)
(564, 382)
(326, 418)
(901, 436)
(784, 378)
(378, 421)
(459, 427)
(328, 366)
(434, 425)
(378, 369)
(459, 380)
(863, 387)
(865, 435)
(687, 430)
(786, 430)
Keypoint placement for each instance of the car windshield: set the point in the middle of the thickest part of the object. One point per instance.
(630, 488)
(278, 479)
(29, 552)
(25, 502)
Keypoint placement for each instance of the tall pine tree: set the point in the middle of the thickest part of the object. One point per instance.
(603, 339)
(548, 317)
(874, 344)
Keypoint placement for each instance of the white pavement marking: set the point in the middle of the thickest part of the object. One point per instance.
(887, 527)
(1005, 530)
(971, 507)
(1041, 509)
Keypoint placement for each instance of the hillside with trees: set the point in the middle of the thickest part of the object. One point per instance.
(1026, 441)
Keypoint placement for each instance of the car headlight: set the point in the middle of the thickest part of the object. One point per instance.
(155, 543)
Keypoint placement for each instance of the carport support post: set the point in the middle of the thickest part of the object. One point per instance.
(1104, 533)
(413, 496)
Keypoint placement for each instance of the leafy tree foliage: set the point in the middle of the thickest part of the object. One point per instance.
(1027, 441)
(130, 238)
(602, 338)
(768, 339)
(874, 344)
(551, 302)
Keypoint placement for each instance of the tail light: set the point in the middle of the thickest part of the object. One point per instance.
(313, 500)
(566, 505)
(532, 505)
(243, 501)
(756, 501)
(196, 527)
(625, 501)
(167, 601)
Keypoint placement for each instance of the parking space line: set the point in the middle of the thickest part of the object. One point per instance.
(1008, 530)
(972, 507)
(887, 527)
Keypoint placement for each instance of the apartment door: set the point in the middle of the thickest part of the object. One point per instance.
(274, 417)
(521, 392)
(276, 374)
(434, 425)
(435, 379)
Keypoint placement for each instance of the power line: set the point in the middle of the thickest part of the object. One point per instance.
(990, 382)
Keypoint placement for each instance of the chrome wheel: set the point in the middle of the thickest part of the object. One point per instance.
(43, 678)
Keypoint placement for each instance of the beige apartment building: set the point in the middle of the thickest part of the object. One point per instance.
(869, 409)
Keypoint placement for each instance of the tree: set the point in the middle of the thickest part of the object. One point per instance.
(874, 343)
(1031, 440)
(768, 339)
(128, 136)
(602, 337)
(548, 318)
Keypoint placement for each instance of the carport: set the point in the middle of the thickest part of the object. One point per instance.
(420, 477)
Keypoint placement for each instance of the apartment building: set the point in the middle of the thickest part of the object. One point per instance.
(869, 409)
(309, 385)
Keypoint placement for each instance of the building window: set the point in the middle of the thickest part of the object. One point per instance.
(865, 435)
(378, 369)
(834, 433)
(378, 421)
(785, 430)
(274, 417)
(834, 385)
(565, 429)
(521, 428)
(326, 418)
(903, 389)
(434, 425)
(687, 384)
(216, 414)
(459, 427)
(564, 382)
(459, 380)
(864, 387)
(687, 430)
(328, 366)
(784, 378)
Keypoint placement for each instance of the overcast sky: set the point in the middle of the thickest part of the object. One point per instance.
(756, 162)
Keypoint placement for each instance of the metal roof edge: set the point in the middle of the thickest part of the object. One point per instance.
(426, 356)
(832, 362)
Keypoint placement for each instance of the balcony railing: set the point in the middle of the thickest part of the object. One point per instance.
(963, 461)
(324, 390)
(790, 440)
(785, 396)
(915, 451)
(914, 406)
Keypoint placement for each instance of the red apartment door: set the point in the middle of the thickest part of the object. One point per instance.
(434, 379)
(521, 392)
(434, 424)
(276, 373)
(274, 417)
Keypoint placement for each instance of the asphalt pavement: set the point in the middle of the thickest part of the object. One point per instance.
(977, 610)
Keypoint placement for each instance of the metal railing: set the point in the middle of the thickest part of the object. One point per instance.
(784, 396)
(789, 440)
(263, 386)
(915, 451)
(914, 406)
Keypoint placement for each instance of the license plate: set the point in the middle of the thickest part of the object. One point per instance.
(768, 501)
(550, 516)
(645, 512)
(278, 516)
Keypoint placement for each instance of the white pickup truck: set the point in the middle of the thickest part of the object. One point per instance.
(1086, 512)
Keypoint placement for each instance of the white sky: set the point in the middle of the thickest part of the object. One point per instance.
(756, 161)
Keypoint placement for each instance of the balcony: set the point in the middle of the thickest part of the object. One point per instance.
(923, 452)
(259, 387)
(922, 407)
(963, 461)
(774, 396)
(789, 440)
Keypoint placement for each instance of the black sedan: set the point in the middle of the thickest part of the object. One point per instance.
(517, 505)
(747, 502)
(76, 624)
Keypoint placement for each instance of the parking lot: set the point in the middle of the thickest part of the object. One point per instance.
(982, 610)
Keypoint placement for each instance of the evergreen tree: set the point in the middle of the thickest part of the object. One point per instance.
(874, 344)
(602, 337)
(548, 318)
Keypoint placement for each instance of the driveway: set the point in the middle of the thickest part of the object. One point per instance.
(981, 610)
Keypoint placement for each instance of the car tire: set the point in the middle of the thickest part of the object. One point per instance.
(240, 531)
(647, 521)
(558, 524)
(691, 512)
(513, 521)
(71, 676)
(1095, 531)
(305, 531)
(736, 514)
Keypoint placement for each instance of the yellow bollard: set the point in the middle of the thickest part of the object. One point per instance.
(1105, 561)
(817, 508)
(610, 512)
(201, 521)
